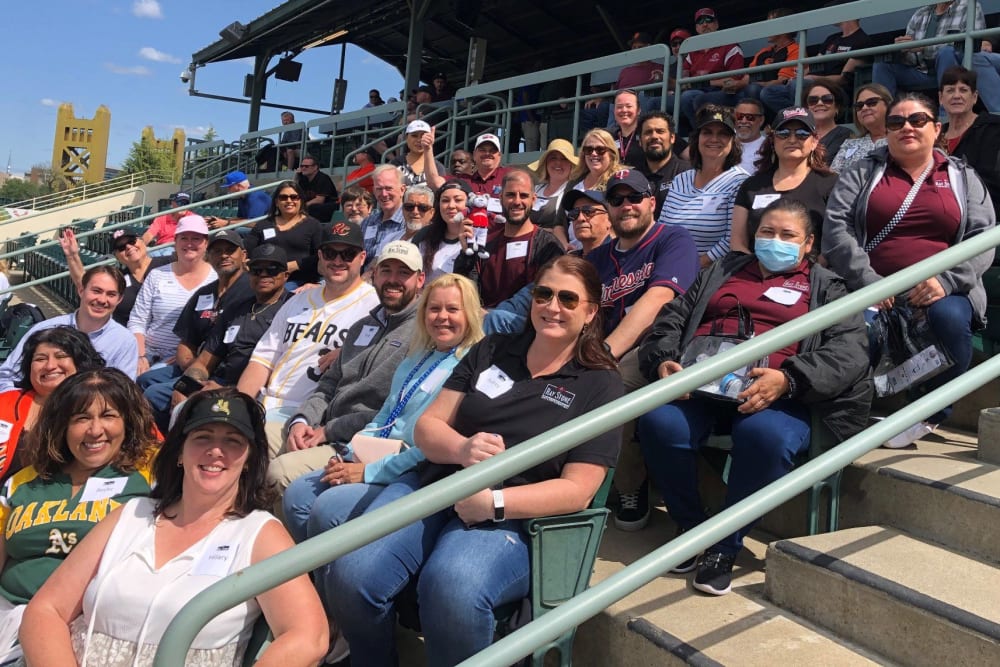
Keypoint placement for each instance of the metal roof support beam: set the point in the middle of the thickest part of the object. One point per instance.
(415, 46)
(257, 94)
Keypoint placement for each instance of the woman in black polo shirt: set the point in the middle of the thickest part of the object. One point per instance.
(474, 557)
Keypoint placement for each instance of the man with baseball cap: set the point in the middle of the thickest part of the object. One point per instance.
(587, 211)
(487, 178)
(251, 205)
(354, 388)
(164, 227)
(308, 331)
(236, 332)
(647, 265)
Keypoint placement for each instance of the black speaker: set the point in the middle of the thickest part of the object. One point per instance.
(339, 94)
(288, 70)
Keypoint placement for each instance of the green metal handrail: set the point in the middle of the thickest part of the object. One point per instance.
(332, 544)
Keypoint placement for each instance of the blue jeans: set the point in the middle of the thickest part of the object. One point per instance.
(776, 98)
(157, 386)
(892, 75)
(987, 67)
(764, 447)
(312, 506)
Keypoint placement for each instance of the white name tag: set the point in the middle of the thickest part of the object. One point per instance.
(301, 318)
(101, 488)
(494, 382)
(712, 204)
(215, 561)
(517, 249)
(128, 280)
(539, 203)
(365, 337)
(230, 335)
(5, 428)
(268, 233)
(435, 379)
(783, 295)
(763, 201)
(370, 232)
(494, 206)
(205, 302)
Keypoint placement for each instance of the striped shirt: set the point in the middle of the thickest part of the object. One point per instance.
(157, 307)
(705, 212)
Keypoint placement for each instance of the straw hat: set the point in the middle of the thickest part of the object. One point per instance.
(555, 146)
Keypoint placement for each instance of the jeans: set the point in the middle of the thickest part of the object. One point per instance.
(312, 506)
(764, 446)
(892, 75)
(752, 90)
(776, 98)
(987, 67)
(157, 386)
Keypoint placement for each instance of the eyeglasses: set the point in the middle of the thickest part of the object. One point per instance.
(269, 271)
(813, 100)
(747, 116)
(916, 120)
(705, 19)
(596, 150)
(871, 103)
(409, 208)
(800, 133)
(587, 211)
(119, 247)
(568, 299)
(307, 166)
(633, 198)
(288, 198)
(347, 254)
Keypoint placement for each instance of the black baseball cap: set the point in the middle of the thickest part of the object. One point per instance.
(570, 198)
(268, 253)
(633, 178)
(222, 411)
(229, 235)
(345, 232)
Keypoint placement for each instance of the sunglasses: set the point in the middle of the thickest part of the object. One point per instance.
(269, 271)
(800, 133)
(119, 247)
(747, 116)
(813, 100)
(568, 299)
(423, 208)
(347, 254)
(871, 103)
(587, 212)
(633, 198)
(596, 150)
(916, 120)
(307, 166)
(288, 197)
(705, 19)
(677, 42)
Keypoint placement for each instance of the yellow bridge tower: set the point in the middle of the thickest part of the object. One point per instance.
(173, 146)
(80, 149)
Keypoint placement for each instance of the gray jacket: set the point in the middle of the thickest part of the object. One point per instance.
(353, 389)
(844, 230)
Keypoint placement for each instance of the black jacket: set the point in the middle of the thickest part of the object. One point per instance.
(980, 148)
(830, 372)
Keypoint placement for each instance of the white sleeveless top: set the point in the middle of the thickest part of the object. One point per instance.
(130, 603)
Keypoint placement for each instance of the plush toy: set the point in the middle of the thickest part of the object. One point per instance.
(481, 219)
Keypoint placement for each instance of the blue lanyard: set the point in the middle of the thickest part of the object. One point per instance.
(403, 400)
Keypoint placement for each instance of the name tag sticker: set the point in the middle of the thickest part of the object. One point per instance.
(539, 203)
(370, 231)
(215, 561)
(783, 295)
(101, 488)
(5, 428)
(230, 335)
(367, 334)
(435, 379)
(301, 318)
(268, 233)
(205, 302)
(494, 206)
(128, 280)
(493, 382)
(517, 249)
(763, 201)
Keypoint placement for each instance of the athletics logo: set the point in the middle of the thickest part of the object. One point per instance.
(61, 543)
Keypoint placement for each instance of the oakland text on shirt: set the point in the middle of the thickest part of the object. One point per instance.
(39, 513)
(626, 283)
(558, 395)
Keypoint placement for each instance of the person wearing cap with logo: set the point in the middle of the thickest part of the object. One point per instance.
(166, 291)
(588, 213)
(419, 165)
(206, 518)
(702, 199)
(553, 169)
(321, 199)
(230, 290)
(659, 164)
(386, 224)
(355, 386)
(308, 332)
(164, 227)
(642, 270)
(249, 206)
(237, 330)
(793, 165)
(488, 176)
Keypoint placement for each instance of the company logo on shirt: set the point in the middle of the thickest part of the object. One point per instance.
(797, 285)
(558, 395)
(626, 284)
(942, 183)
(60, 543)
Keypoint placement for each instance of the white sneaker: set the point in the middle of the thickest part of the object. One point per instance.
(910, 435)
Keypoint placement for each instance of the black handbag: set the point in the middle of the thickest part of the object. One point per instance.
(905, 351)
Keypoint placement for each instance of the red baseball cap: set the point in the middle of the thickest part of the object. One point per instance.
(704, 11)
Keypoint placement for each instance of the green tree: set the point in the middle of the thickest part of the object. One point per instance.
(17, 190)
(210, 134)
(143, 156)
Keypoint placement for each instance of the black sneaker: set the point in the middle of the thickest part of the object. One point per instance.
(687, 565)
(633, 509)
(715, 573)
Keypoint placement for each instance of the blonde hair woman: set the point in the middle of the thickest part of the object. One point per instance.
(598, 160)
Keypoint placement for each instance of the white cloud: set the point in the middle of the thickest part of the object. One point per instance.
(195, 131)
(147, 9)
(149, 53)
(137, 70)
(48, 102)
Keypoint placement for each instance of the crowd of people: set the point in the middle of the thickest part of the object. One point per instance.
(261, 388)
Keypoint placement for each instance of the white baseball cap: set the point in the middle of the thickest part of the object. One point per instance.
(417, 126)
(491, 138)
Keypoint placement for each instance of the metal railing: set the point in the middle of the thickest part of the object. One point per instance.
(332, 544)
(88, 191)
(95, 199)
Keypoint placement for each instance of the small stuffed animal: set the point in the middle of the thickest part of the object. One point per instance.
(481, 219)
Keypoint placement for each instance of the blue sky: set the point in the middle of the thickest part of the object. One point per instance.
(128, 55)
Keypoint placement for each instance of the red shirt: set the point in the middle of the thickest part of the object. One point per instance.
(490, 186)
(710, 61)
(356, 177)
(929, 226)
(639, 74)
(772, 301)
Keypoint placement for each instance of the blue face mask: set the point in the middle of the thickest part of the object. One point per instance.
(777, 255)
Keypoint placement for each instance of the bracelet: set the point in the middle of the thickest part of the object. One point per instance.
(791, 383)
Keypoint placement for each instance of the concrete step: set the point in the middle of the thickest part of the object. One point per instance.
(667, 622)
(907, 598)
(989, 435)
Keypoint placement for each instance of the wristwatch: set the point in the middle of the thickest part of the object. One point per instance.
(498, 509)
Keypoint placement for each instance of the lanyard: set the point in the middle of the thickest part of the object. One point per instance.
(404, 399)
(622, 146)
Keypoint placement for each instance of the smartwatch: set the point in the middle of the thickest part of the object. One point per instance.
(498, 510)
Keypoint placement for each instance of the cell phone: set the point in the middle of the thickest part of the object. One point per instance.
(187, 385)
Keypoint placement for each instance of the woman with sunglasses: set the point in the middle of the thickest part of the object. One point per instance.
(825, 99)
(440, 242)
(791, 165)
(823, 376)
(871, 232)
(871, 104)
(474, 557)
(289, 227)
(970, 136)
(598, 161)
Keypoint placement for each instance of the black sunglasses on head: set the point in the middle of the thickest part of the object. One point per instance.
(347, 254)
(916, 120)
(568, 299)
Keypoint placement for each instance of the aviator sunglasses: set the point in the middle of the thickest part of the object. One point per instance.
(568, 299)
